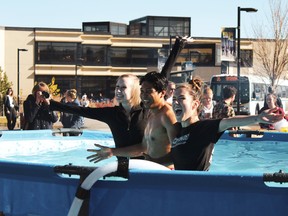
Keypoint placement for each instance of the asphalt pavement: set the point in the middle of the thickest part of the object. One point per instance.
(89, 124)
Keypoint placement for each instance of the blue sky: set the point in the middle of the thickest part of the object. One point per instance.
(207, 16)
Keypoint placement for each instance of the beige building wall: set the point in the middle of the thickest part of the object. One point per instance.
(2, 48)
(23, 40)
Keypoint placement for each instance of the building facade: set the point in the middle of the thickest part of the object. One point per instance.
(90, 59)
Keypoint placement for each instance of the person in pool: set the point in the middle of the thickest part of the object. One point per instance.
(126, 120)
(192, 149)
(160, 130)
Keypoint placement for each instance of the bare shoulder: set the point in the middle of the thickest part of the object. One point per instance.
(168, 113)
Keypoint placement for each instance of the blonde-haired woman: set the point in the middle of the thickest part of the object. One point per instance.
(126, 120)
(207, 104)
(37, 114)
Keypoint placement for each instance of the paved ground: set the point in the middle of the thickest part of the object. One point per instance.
(89, 124)
(92, 124)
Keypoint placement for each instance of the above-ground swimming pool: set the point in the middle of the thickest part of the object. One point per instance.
(231, 154)
(233, 186)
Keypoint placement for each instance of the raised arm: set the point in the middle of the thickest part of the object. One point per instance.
(179, 44)
(267, 116)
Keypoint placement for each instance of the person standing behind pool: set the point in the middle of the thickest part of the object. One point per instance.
(224, 108)
(271, 90)
(37, 114)
(271, 102)
(207, 104)
(193, 148)
(169, 92)
(11, 109)
(71, 120)
(85, 103)
(160, 130)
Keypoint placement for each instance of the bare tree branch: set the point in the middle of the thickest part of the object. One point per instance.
(271, 44)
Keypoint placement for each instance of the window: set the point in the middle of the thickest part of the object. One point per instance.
(94, 55)
(133, 57)
(199, 54)
(166, 26)
(160, 26)
(87, 84)
(56, 53)
(96, 27)
(246, 57)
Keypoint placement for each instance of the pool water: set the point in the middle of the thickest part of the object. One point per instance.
(229, 156)
(257, 156)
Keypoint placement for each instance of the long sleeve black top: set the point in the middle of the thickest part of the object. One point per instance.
(127, 128)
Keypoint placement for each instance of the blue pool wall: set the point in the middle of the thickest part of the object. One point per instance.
(29, 189)
(35, 189)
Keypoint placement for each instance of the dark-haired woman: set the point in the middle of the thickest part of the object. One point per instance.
(10, 109)
(192, 149)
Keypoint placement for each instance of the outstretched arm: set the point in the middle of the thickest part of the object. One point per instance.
(267, 116)
(179, 44)
(103, 152)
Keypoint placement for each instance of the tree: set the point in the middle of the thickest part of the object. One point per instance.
(4, 85)
(53, 87)
(271, 44)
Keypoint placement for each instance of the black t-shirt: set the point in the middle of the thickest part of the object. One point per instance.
(193, 148)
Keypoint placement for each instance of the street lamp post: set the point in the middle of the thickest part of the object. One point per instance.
(18, 73)
(238, 52)
(79, 62)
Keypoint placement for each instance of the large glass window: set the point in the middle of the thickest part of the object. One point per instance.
(56, 53)
(96, 27)
(166, 26)
(93, 86)
(118, 29)
(246, 57)
(160, 26)
(94, 55)
(199, 54)
(105, 27)
(133, 57)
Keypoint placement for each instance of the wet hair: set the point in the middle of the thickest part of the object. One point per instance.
(229, 91)
(158, 81)
(41, 86)
(194, 88)
(72, 93)
(135, 91)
